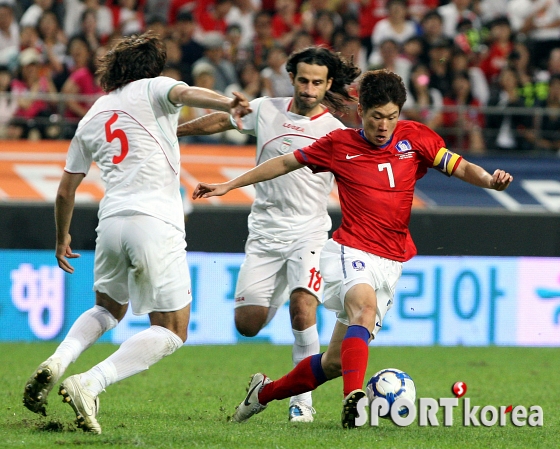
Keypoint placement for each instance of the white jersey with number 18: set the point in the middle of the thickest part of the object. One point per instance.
(131, 135)
(293, 205)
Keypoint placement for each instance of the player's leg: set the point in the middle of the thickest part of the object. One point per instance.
(306, 287)
(160, 286)
(310, 373)
(89, 326)
(261, 278)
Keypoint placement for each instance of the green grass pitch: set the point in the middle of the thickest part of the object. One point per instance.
(185, 400)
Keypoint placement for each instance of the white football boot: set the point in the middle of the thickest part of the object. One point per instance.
(40, 384)
(85, 405)
(251, 405)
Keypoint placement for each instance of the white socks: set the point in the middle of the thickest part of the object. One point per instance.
(136, 354)
(306, 344)
(85, 331)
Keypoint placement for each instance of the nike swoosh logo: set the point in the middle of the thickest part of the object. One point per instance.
(250, 393)
(88, 410)
(352, 157)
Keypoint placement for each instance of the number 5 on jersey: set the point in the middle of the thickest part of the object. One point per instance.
(117, 133)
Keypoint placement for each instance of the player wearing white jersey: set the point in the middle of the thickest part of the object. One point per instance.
(289, 222)
(140, 248)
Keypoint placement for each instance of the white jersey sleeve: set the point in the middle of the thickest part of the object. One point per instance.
(250, 121)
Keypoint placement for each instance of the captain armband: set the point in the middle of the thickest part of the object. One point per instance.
(446, 161)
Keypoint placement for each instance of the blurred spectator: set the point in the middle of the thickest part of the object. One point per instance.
(73, 18)
(158, 26)
(175, 59)
(29, 38)
(33, 13)
(177, 7)
(263, 41)
(204, 75)
(128, 18)
(413, 49)
(431, 32)
(547, 136)
(423, 103)
(323, 30)
(233, 51)
(465, 121)
(252, 87)
(302, 39)
(286, 22)
(310, 10)
(53, 42)
(438, 63)
(352, 50)
(534, 86)
(9, 34)
(156, 10)
(224, 70)
(489, 10)
(242, 13)
(191, 50)
(371, 12)
(480, 88)
(80, 82)
(392, 60)
(31, 119)
(453, 13)
(539, 20)
(275, 78)
(500, 48)
(509, 129)
(212, 18)
(417, 9)
(552, 65)
(172, 70)
(8, 105)
(396, 27)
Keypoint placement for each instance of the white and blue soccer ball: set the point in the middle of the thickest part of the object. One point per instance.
(391, 384)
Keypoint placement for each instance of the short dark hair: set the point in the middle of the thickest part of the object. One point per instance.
(131, 59)
(380, 87)
(341, 71)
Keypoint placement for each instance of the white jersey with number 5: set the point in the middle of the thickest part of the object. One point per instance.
(293, 205)
(131, 135)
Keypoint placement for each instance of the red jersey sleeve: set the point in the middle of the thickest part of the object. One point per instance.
(432, 148)
(318, 156)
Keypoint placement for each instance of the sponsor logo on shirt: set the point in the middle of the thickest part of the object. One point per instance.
(358, 265)
(240, 299)
(301, 129)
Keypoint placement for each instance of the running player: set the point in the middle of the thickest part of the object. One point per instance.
(140, 249)
(289, 223)
(376, 169)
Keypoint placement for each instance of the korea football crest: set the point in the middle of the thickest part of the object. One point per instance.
(403, 146)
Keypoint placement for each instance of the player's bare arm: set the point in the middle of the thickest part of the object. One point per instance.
(270, 169)
(213, 123)
(476, 175)
(64, 207)
(199, 97)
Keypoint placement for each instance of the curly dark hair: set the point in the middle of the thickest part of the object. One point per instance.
(341, 71)
(131, 59)
(379, 87)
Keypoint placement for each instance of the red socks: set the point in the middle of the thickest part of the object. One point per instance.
(306, 376)
(354, 358)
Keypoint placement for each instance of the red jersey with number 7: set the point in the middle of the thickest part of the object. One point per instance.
(376, 184)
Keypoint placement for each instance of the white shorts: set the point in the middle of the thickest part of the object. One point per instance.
(142, 258)
(342, 267)
(273, 269)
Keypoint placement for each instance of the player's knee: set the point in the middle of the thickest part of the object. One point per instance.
(246, 327)
(331, 366)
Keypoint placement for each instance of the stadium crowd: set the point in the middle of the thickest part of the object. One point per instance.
(484, 73)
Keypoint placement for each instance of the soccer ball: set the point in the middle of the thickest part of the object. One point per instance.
(391, 384)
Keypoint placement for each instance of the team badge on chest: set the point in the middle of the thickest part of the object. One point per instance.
(286, 145)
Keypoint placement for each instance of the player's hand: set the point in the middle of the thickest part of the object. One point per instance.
(239, 108)
(64, 252)
(204, 190)
(501, 180)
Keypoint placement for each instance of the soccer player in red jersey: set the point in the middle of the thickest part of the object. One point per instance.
(376, 168)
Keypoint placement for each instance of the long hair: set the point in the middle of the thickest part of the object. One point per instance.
(379, 87)
(341, 71)
(131, 59)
